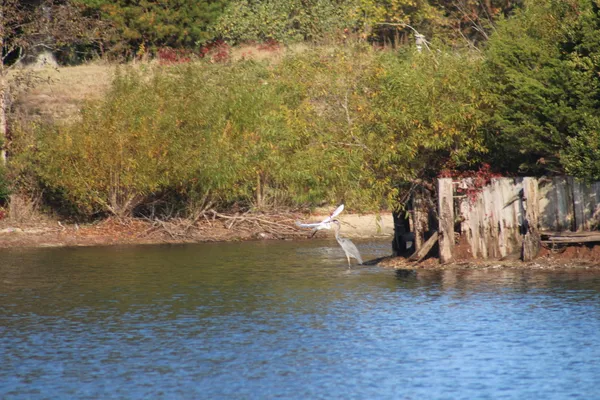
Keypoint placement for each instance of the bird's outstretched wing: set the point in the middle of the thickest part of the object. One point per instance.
(334, 214)
(325, 224)
(301, 225)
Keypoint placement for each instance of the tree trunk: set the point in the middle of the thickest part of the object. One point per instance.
(3, 92)
(3, 119)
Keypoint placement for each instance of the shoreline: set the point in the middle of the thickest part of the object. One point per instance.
(543, 263)
(111, 232)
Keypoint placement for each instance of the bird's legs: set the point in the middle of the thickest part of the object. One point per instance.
(349, 265)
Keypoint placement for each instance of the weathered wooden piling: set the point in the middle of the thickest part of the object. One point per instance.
(530, 230)
(510, 216)
(446, 219)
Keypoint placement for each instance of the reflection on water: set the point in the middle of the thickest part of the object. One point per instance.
(288, 320)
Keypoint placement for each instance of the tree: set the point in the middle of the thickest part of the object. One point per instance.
(472, 20)
(581, 157)
(26, 26)
(542, 69)
(157, 23)
(282, 21)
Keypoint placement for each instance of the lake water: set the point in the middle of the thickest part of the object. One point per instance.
(289, 320)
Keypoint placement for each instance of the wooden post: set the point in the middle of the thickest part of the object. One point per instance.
(420, 218)
(446, 222)
(531, 237)
(424, 250)
(400, 229)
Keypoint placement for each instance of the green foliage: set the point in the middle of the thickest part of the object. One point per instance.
(117, 155)
(542, 68)
(283, 21)
(425, 117)
(368, 13)
(315, 20)
(157, 23)
(5, 186)
(581, 157)
(330, 90)
(221, 134)
(346, 123)
(582, 47)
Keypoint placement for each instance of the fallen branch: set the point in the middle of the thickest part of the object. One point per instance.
(201, 224)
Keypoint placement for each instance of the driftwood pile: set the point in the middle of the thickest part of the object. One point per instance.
(208, 224)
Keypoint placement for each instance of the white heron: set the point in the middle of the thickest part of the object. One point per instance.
(346, 244)
(325, 224)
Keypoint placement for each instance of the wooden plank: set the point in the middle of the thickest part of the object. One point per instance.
(531, 238)
(486, 213)
(479, 216)
(566, 234)
(565, 202)
(503, 226)
(547, 204)
(491, 223)
(446, 219)
(579, 222)
(588, 205)
(579, 239)
(516, 217)
(424, 250)
(506, 225)
(466, 225)
(496, 217)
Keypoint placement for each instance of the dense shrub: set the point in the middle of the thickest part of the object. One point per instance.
(426, 115)
(323, 125)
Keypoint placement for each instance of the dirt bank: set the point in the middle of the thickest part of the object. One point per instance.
(54, 233)
(566, 257)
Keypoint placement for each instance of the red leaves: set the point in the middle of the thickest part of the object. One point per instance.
(471, 182)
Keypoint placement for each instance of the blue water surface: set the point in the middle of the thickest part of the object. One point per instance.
(289, 320)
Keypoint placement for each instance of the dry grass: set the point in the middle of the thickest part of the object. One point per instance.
(58, 93)
(25, 210)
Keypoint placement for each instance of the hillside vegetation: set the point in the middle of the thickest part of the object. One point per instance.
(267, 127)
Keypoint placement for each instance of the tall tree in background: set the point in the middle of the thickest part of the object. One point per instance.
(157, 23)
(472, 21)
(379, 20)
(543, 81)
(314, 20)
(581, 157)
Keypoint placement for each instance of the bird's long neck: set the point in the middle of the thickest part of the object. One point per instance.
(336, 230)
